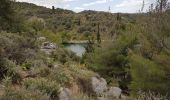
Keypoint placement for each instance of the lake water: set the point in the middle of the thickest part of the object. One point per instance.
(78, 49)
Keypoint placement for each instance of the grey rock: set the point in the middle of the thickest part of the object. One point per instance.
(48, 45)
(114, 93)
(99, 85)
(65, 94)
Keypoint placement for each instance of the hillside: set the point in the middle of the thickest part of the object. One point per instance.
(57, 54)
(65, 20)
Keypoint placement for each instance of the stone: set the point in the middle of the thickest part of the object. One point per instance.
(48, 45)
(65, 94)
(114, 93)
(99, 85)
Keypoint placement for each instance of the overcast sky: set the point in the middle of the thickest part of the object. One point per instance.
(130, 6)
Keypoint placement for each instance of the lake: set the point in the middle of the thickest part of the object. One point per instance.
(78, 49)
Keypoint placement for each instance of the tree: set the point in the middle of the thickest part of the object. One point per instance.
(53, 9)
(37, 24)
(162, 5)
(6, 14)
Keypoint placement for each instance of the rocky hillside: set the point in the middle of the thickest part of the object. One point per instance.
(60, 20)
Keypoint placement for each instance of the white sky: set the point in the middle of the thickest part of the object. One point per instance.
(130, 6)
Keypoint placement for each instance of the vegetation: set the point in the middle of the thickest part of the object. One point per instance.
(131, 51)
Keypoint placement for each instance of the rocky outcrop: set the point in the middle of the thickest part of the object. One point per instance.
(102, 92)
(95, 87)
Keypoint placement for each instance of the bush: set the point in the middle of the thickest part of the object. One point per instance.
(63, 56)
(10, 92)
(17, 48)
(62, 76)
(8, 68)
(148, 76)
(45, 86)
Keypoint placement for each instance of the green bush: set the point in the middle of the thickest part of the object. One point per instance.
(62, 76)
(63, 56)
(16, 47)
(9, 69)
(10, 92)
(148, 76)
(27, 65)
(46, 86)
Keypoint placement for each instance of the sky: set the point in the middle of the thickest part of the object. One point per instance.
(124, 6)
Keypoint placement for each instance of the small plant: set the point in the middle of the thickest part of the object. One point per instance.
(27, 65)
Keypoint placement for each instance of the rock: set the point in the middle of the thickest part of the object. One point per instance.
(65, 94)
(114, 93)
(99, 85)
(48, 45)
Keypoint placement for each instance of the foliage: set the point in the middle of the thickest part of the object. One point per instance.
(115, 64)
(148, 76)
(5, 13)
(37, 24)
(63, 56)
(45, 86)
(62, 76)
(17, 48)
(56, 38)
(8, 68)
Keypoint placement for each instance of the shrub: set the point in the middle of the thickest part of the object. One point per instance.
(147, 75)
(63, 55)
(46, 86)
(27, 65)
(10, 92)
(17, 48)
(9, 68)
(62, 76)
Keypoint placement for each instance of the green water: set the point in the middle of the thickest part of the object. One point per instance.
(78, 49)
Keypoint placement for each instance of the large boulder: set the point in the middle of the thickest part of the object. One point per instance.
(99, 85)
(65, 94)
